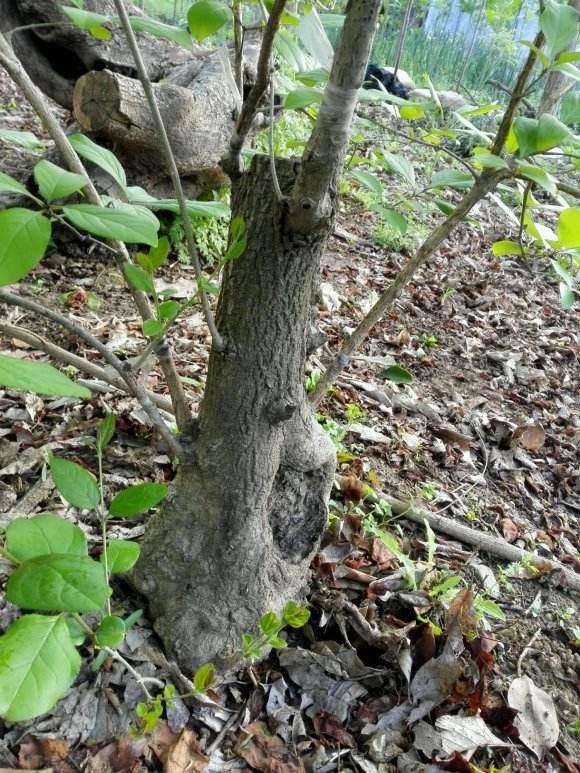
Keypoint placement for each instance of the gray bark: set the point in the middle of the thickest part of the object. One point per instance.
(249, 504)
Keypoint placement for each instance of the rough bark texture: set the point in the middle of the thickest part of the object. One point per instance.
(249, 505)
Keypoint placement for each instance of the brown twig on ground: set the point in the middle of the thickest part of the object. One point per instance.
(68, 358)
(133, 387)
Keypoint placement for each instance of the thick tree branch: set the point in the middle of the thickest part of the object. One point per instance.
(232, 164)
(486, 183)
(19, 75)
(68, 358)
(173, 171)
(313, 198)
(133, 386)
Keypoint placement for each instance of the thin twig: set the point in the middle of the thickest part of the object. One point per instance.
(523, 217)
(233, 163)
(192, 250)
(142, 681)
(68, 358)
(275, 181)
(526, 649)
(123, 370)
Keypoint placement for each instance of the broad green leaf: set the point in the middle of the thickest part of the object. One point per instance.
(277, 642)
(122, 555)
(56, 183)
(137, 499)
(398, 375)
(169, 309)
(489, 608)
(58, 583)
(311, 78)
(235, 250)
(539, 176)
(105, 431)
(452, 178)
(488, 160)
(206, 17)
(38, 664)
(125, 222)
(152, 328)
(395, 220)
(506, 247)
(270, 623)
(99, 156)
(568, 69)
(204, 677)
(472, 112)
(138, 278)
(25, 139)
(569, 228)
(110, 632)
(538, 136)
(24, 238)
(400, 165)
(10, 185)
(86, 20)
(559, 23)
(39, 378)
(43, 535)
(158, 255)
(161, 30)
(567, 296)
(444, 206)
(77, 485)
(369, 181)
(568, 56)
(313, 37)
(299, 98)
(564, 275)
(411, 112)
(295, 615)
(197, 208)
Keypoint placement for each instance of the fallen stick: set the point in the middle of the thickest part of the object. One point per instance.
(495, 546)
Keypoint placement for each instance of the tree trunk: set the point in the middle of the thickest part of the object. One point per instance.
(250, 503)
(557, 84)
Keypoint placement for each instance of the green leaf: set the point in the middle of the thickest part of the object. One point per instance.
(137, 499)
(122, 555)
(138, 278)
(538, 136)
(77, 485)
(160, 30)
(569, 228)
(235, 250)
(558, 22)
(10, 185)
(25, 237)
(567, 296)
(568, 69)
(125, 222)
(317, 77)
(38, 664)
(56, 183)
(398, 375)
(86, 20)
(197, 208)
(102, 157)
(452, 178)
(270, 623)
(313, 37)
(411, 112)
(399, 165)
(25, 139)
(110, 632)
(300, 98)
(444, 206)
(277, 642)
(204, 677)
(369, 181)
(169, 309)
(539, 176)
(58, 583)
(295, 615)
(105, 431)
(158, 255)
(506, 247)
(394, 219)
(489, 161)
(152, 328)
(431, 544)
(39, 378)
(489, 608)
(43, 535)
(206, 17)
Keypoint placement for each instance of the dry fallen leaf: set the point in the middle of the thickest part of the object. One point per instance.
(264, 751)
(537, 721)
(529, 436)
(509, 530)
(186, 755)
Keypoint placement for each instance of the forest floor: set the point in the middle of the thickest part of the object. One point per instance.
(381, 679)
